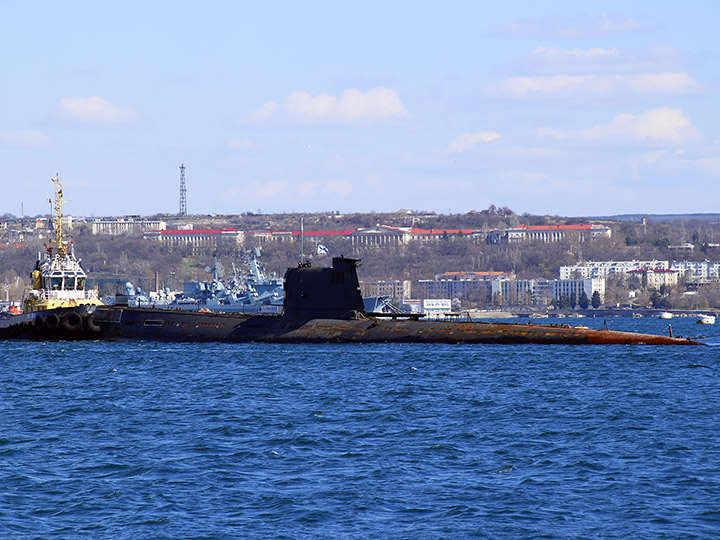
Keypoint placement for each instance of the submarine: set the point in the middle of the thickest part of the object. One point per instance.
(324, 305)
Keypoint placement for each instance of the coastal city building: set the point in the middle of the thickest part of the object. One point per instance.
(604, 269)
(195, 238)
(549, 233)
(703, 271)
(396, 290)
(477, 285)
(129, 226)
(385, 236)
(436, 308)
(541, 292)
(684, 246)
(654, 278)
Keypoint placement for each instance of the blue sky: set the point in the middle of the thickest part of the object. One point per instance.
(568, 108)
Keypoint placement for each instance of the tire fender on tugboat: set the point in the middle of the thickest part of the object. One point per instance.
(52, 321)
(91, 325)
(71, 321)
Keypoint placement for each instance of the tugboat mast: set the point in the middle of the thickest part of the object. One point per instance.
(57, 218)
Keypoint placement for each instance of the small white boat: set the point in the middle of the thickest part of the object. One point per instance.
(705, 319)
(665, 315)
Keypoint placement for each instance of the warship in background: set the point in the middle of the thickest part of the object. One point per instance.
(254, 292)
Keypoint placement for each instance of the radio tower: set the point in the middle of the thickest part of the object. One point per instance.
(183, 192)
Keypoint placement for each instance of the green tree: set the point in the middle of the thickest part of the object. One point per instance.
(595, 299)
(573, 299)
(584, 301)
(660, 300)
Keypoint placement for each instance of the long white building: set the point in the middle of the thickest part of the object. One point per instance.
(126, 226)
(697, 271)
(603, 269)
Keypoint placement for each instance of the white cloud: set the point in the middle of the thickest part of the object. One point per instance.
(466, 141)
(677, 162)
(665, 125)
(241, 143)
(555, 60)
(19, 139)
(581, 26)
(558, 55)
(710, 166)
(351, 107)
(572, 86)
(94, 110)
(529, 152)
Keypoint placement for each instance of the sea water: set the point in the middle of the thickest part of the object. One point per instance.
(221, 441)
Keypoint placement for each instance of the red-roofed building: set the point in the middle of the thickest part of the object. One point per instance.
(438, 234)
(549, 233)
(380, 235)
(196, 238)
(281, 236)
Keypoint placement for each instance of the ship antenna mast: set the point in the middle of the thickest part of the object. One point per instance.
(58, 204)
(183, 192)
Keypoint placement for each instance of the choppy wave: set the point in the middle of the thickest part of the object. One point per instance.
(143, 440)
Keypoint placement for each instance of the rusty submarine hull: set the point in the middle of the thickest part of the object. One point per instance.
(170, 325)
(321, 305)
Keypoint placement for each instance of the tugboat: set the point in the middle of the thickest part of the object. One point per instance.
(57, 305)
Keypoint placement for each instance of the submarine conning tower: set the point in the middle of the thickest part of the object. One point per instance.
(323, 293)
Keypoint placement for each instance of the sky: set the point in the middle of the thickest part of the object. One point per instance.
(564, 108)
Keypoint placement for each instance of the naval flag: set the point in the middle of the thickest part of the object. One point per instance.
(322, 251)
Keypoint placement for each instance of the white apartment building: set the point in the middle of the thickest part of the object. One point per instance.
(399, 290)
(697, 271)
(568, 287)
(603, 269)
(541, 292)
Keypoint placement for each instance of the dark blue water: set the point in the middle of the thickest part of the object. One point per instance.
(146, 440)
